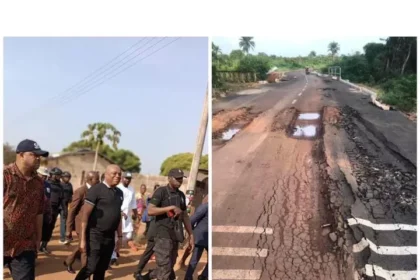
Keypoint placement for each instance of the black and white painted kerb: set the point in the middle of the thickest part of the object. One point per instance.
(389, 249)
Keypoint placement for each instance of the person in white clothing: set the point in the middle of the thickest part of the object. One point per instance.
(128, 212)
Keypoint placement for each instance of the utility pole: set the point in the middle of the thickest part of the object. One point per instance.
(198, 148)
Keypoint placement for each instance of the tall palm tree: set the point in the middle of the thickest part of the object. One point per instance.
(246, 44)
(96, 133)
(333, 48)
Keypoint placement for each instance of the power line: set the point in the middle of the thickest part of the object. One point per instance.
(59, 96)
(95, 71)
(129, 66)
(112, 66)
(96, 80)
(78, 94)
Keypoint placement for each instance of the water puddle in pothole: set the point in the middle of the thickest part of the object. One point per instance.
(227, 135)
(306, 125)
(304, 131)
(309, 116)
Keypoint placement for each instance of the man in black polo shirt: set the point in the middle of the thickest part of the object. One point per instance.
(101, 218)
(169, 208)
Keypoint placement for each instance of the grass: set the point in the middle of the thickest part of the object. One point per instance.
(400, 92)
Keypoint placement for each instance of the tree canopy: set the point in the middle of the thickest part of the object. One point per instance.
(9, 154)
(333, 48)
(98, 133)
(246, 44)
(182, 161)
(389, 67)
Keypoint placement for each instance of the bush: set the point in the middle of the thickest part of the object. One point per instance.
(400, 92)
(216, 82)
(258, 64)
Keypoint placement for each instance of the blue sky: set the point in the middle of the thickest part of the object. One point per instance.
(156, 104)
(295, 46)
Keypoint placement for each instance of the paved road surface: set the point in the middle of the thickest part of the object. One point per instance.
(266, 181)
(269, 206)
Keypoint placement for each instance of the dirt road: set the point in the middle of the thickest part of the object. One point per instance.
(281, 203)
(52, 268)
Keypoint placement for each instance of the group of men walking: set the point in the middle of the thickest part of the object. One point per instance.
(58, 192)
(101, 212)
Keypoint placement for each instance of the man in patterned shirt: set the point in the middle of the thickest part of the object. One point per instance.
(23, 208)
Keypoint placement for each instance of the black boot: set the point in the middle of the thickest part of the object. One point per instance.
(43, 248)
(69, 268)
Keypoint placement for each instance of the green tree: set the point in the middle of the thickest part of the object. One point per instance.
(126, 159)
(333, 48)
(215, 50)
(181, 161)
(258, 64)
(97, 132)
(9, 154)
(236, 54)
(312, 54)
(246, 44)
(215, 54)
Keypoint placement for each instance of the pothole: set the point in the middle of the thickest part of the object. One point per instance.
(309, 116)
(304, 131)
(306, 125)
(226, 124)
(227, 135)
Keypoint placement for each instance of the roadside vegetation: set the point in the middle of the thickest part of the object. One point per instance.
(389, 67)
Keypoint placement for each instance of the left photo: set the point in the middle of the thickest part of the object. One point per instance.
(105, 158)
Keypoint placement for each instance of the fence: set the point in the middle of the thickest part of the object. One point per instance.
(236, 77)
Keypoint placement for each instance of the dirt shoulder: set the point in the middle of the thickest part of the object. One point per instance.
(52, 268)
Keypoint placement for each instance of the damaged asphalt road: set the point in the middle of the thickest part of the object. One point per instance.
(306, 189)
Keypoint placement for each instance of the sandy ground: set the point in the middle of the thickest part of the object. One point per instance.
(52, 268)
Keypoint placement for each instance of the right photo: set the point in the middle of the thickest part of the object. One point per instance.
(314, 158)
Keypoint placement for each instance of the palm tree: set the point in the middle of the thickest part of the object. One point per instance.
(96, 133)
(246, 44)
(333, 48)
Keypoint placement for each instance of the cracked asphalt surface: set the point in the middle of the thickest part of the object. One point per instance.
(263, 178)
(298, 194)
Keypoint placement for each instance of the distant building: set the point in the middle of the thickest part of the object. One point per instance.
(80, 162)
(77, 163)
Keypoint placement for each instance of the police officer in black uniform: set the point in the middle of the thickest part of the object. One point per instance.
(43, 173)
(67, 195)
(56, 202)
(168, 205)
